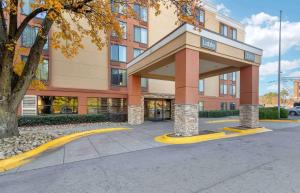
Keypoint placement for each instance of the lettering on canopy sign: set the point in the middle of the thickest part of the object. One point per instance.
(249, 56)
(208, 44)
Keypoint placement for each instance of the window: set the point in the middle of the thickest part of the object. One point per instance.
(234, 34)
(28, 37)
(26, 9)
(223, 106)
(232, 106)
(137, 52)
(232, 90)
(42, 71)
(118, 53)
(140, 35)
(201, 86)
(117, 105)
(224, 30)
(123, 26)
(118, 7)
(141, 12)
(97, 105)
(201, 16)
(233, 76)
(144, 82)
(223, 77)
(201, 106)
(57, 105)
(118, 77)
(223, 89)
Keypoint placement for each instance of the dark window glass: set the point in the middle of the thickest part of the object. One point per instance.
(118, 53)
(97, 105)
(118, 77)
(223, 106)
(57, 105)
(232, 106)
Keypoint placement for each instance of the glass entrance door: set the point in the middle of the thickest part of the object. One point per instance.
(157, 109)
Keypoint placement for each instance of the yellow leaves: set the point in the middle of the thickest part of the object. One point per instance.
(10, 46)
(38, 85)
(18, 67)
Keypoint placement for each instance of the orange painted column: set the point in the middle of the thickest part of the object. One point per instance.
(186, 92)
(249, 96)
(135, 104)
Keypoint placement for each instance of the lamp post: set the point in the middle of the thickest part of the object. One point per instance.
(279, 65)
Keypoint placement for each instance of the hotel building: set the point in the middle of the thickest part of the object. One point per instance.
(98, 81)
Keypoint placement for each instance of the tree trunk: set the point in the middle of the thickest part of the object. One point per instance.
(8, 121)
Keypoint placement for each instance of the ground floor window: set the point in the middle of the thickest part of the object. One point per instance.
(57, 105)
(223, 106)
(232, 106)
(201, 106)
(97, 105)
(106, 105)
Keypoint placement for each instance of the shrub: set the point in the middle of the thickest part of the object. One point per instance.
(70, 119)
(218, 113)
(272, 113)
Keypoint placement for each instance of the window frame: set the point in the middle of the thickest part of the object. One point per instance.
(139, 28)
(111, 78)
(118, 53)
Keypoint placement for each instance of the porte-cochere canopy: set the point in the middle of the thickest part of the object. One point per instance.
(187, 55)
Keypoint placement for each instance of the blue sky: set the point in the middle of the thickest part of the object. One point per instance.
(261, 20)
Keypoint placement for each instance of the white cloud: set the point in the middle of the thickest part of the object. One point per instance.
(271, 68)
(295, 74)
(262, 31)
(223, 9)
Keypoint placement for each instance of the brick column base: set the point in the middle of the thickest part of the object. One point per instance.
(249, 117)
(186, 120)
(135, 114)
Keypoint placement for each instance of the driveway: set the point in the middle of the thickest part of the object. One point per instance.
(130, 161)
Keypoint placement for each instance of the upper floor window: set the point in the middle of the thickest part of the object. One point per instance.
(118, 7)
(140, 35)
(42, 72)
(233, 33)
(137, 52)
(123, 26)
(144, 82)
(118, 77)
(26, 9)
(223, 89)
(118, 53)
(224, 30)
(29, 35)
(232, 90)
(201, 85)
(201, 16)
(233, 76)
(223, 77)
(141, 12)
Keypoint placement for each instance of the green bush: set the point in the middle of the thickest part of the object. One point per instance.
(218, 113)
(69, 119)
(272, 113)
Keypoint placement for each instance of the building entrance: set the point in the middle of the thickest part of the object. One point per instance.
(157, 109)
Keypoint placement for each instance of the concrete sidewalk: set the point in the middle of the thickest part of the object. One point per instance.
(138, 138)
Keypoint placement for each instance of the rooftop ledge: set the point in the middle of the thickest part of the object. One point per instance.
(203, 33)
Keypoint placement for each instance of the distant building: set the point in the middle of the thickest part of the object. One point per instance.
(297, 90)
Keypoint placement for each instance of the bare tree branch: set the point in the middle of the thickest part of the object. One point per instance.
(13, 18)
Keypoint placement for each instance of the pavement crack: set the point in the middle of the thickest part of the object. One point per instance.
(235, 176)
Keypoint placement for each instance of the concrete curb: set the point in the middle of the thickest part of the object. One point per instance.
(21, 159)
(263, 120)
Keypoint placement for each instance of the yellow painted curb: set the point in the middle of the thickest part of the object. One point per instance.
(223, 121)
(247, 131)
(25, 157)
(188, 140)
(280, 121)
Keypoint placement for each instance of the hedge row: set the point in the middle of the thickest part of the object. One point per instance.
(218, 113)
(264, 113)
(70, 119)
(272, 113)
